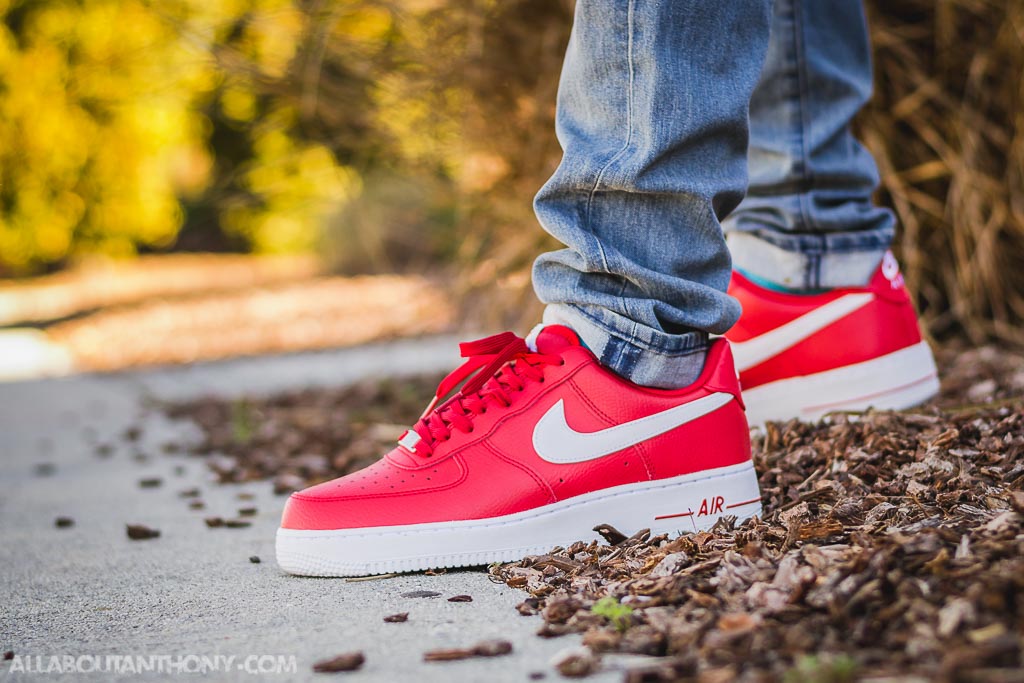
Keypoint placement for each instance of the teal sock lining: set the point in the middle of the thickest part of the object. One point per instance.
(776, 287)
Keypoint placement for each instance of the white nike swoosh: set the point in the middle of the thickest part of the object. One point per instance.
(557, 442)
(754, 351)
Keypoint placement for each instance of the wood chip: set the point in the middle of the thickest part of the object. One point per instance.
(350, 661)
(140, 532)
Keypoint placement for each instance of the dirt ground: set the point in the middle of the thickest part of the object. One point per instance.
(892, 544)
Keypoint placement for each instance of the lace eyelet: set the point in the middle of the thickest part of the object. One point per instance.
(561, 362)
(469, 431)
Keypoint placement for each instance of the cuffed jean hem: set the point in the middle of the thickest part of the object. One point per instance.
(642, 355)
(807, 261)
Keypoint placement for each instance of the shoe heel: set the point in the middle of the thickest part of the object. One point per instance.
(898, 380)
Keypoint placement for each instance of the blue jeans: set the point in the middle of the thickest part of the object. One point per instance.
(664, 106)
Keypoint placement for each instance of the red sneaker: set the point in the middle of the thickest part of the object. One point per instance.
(848, 349)
(537, 449)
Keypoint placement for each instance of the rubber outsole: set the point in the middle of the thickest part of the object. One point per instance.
(689, 503)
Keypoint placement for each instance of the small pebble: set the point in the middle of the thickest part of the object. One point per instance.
(255, 559)
(150, 482)
(461, 598)
(63, 522)
(397, 618)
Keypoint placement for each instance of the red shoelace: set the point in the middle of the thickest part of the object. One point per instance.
(497, 368)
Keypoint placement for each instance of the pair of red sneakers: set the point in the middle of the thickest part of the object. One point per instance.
(542, 444)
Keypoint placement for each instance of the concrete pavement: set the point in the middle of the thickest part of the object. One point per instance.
(89, 590)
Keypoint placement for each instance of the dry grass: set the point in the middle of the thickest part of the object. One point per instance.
(947, 129)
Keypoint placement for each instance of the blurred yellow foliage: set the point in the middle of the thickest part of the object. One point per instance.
(409, 133)
(300, 186)
(105, 128)
(260, 124)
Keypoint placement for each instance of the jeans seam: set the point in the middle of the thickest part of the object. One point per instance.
(799, 56)
(812, 274)
(629, 134)
(612, 353)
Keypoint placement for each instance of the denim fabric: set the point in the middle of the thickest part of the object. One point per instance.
(653, 120)
(808, 221)
(652, 117)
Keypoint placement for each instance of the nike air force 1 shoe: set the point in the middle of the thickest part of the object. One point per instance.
(539, 447)
(848, 349)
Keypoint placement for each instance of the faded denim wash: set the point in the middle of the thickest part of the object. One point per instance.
(808, 221)
(653, 109)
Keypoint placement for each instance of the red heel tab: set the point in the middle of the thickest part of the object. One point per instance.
(722, 375)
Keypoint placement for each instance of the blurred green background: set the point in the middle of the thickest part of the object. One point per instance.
(410, 135)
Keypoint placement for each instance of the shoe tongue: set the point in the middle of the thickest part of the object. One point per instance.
(555, 338)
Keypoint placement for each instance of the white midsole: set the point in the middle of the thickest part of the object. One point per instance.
(895, 381)
(681, 504)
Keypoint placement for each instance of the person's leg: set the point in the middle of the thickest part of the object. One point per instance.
(827, 323)
(532, 444)
(808, 220)
(652, 116)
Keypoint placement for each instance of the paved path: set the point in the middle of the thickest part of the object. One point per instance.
(89, 590)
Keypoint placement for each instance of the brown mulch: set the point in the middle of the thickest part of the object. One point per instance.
(350, 661)
(486, 648)
(304, 437)
(892, 544)
(896, 540)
